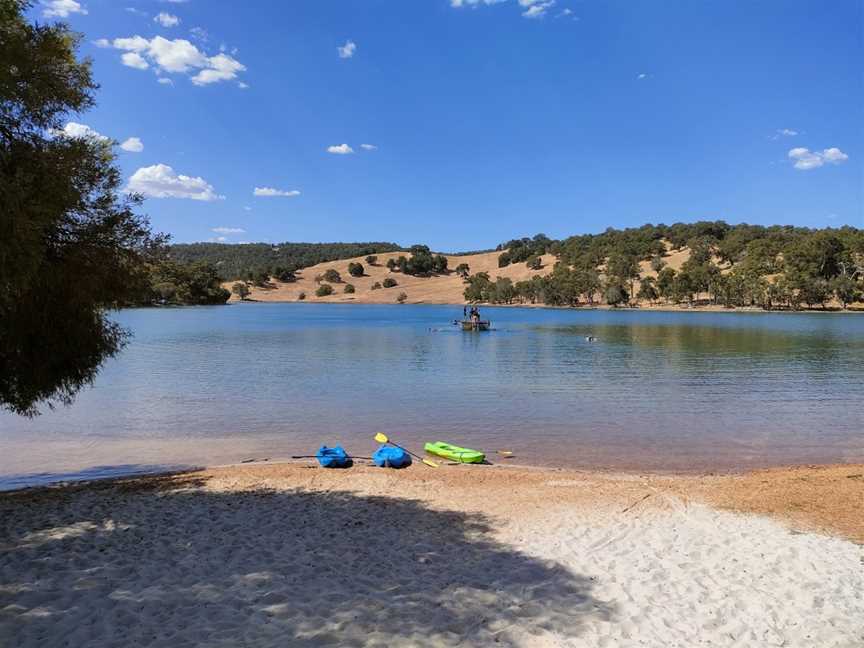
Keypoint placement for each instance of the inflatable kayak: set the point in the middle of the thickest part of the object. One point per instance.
(391, 457)
(335, 457)
(455, 453)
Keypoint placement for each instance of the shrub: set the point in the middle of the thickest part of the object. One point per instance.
(323, 290)
(301, 296)
(240, 289)
(401, 298)
(371, 259)
(332, 276)
(390, 282)
(349, 288)
(463, 270)
(504, 260)
(534, 263)
(391, 264)
(355, 269)
(376, 285)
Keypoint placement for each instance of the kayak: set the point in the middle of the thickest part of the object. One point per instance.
(388, 456)
(335, 457)
(462, 455)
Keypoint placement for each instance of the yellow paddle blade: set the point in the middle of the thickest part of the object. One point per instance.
(381, 438)
(429, 462)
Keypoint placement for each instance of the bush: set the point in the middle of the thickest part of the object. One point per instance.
(376, 285)
(240, 289)
(504, 260)
(391, 264)
(463, 270)
(401, 298)
(355, 269)
(534, 263)
(332, 276)
(371, 259)
(390, 282)
(323, 290)
(349, 288)
(301, 296)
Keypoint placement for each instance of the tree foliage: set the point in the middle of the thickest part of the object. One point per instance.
(71, 245)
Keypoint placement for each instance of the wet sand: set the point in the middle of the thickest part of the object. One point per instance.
(291, 554)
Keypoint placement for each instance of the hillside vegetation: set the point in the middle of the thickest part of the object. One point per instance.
(698, 264)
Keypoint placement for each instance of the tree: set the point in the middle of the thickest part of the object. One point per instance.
(301, 296)
(372, 259)
(376, 285)
(285, 275)
(504, 260)
(349, 289)
(657, 263)
(355, 269)
(439, 263)
(463, 270)
(71, 245)
(240, 289)
(332, 276)
(846, 290)
(323, 290)
(624, 266)
(401, 298)
(647, 290)
(391, 264)
(665, 282)
(615, 293)
(534, 263)
(389, 282)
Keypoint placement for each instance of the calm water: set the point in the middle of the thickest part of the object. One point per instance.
(656, 390)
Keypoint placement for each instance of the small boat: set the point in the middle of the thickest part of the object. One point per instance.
(388, 456)
(455, 453)
(334, 457)
(479, 325)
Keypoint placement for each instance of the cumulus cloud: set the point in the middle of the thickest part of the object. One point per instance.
(229, 230)
(805, 159)
(166, 19)
(368, 147)
(133, 145)
(160, 181)
(536, 8)
(340, 149)
(61, 8)
(347, 50)
(270, 192)
(80, 131)
(177, 56)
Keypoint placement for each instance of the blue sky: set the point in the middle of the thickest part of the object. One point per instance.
(489, 120)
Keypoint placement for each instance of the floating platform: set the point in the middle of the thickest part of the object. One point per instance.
(469, 325)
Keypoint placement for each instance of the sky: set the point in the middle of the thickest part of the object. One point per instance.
(461, 124)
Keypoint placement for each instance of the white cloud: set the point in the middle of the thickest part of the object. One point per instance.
(565, 12)
(270, 192)
(160, 181)
(166, 19)
(135, 11)
(247, 208)
(133, 145)
(134, 60)
(164, 81)
(61, 8)
(805, 159)
(200, 34)
(102, 42)
(177, 56)
(341, 149)
(368, 147)
(472, 3)
(535, 8)
(642, 76)
(75, 130)
(229, 230)
(787, 132)
(347, 50)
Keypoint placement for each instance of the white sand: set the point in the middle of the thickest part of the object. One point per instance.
(206, 564)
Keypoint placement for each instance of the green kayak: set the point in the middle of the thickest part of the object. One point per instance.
(462, 455)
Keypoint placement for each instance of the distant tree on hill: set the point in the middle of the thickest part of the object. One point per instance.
(391, 264)
(240, 289)
(657, 263)
(330, 275)
(323, 290)
(534, 263)
(401, 298)
(301, 296)
(389, 282)
(647, 290)
(615, 293)
(355, 269)
(504, 260)
(372, 260)
(463, 270)
(349, 288)
(846, 290)
(376, 286)
(285, 275)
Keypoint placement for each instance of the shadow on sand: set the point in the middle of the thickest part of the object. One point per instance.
(166, 562)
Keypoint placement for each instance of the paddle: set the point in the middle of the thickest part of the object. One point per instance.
(382, 438)
(316, 456)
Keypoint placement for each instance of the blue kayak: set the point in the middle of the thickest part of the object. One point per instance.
(335, 457)
(391, 457)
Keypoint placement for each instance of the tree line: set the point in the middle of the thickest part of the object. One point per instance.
(729, 265)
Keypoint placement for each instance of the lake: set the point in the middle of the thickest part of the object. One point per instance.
(655, 391)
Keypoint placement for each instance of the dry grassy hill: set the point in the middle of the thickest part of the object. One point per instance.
(437, 289)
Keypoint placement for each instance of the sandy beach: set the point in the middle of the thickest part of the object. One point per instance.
(290, 554)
